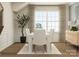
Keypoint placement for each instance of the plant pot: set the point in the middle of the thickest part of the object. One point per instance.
(23, 39)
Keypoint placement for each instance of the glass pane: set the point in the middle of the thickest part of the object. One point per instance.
(53, 24)
(44, 25)
(56, 24)
(49, 28)
(52, 27)
(40, 16)
(53, 16)
(49, 24)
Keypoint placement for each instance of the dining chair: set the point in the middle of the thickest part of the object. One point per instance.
(40, 38)
(27, 34)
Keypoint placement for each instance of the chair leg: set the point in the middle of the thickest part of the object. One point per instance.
(30, 48)
(48, 48)
(33, 48)
(45, 48)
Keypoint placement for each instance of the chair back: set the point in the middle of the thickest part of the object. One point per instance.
(39, 37)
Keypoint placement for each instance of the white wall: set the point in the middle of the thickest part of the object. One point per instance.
(7, 35)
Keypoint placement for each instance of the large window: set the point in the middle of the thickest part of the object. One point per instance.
(48, 20)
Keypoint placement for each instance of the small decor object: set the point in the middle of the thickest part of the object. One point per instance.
(38, 25)
(22, 22)
(74, 28)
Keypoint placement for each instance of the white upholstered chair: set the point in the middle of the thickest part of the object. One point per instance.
(27, 34)
(39, 38)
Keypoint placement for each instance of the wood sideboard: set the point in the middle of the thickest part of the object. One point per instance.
(72, 37)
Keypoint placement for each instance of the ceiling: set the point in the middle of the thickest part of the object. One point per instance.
(41, 3)
(19, 5)
(48, 3)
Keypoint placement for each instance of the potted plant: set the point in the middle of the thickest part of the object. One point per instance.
(74, 25)
(22, 22)
(74, 28)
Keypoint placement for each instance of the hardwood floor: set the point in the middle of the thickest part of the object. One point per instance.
(65, 48)
(13, 49)
(68, 49)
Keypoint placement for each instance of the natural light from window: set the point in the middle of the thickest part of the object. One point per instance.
(48, 20)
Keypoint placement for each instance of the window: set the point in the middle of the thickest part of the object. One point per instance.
(40, 18)
(47, 20)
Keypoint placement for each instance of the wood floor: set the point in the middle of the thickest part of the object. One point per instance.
(13, 49)
(65, 48)
(68, 49)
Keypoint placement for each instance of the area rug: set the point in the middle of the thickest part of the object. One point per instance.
(25, 50)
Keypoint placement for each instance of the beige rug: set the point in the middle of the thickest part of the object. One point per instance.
(25, 50)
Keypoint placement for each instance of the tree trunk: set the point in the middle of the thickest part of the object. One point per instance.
(22, 31)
